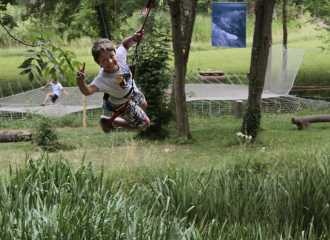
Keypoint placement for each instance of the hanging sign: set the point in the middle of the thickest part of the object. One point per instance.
(229, 24)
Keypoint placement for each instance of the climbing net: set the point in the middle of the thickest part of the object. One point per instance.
(204, 97)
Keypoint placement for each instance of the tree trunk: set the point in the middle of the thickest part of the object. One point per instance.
(262, 40)
(179, 72)
(285, 43)
(187, 21)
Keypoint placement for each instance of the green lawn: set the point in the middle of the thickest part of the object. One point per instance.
(314, 66)
(214, 144)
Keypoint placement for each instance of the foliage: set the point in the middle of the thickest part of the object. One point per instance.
(6, 19)
(50, 60)
(245, 200)
(153, 75)
(316, 7)
(79, 18)
(325, 8)
(45, 134)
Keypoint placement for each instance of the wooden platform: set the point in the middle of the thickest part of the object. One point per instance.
(212, 76)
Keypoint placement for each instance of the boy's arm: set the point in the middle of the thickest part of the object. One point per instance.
(45, 86)
(65, 92)
(84, 88)
(128, 42)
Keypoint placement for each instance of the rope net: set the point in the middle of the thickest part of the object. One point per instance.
(204, 97)
(66, 104)
(282, 68)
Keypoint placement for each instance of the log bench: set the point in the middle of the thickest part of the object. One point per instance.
(212, 76)
(305, 123)
(15, 136)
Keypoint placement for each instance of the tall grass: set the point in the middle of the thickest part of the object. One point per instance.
(50, 199)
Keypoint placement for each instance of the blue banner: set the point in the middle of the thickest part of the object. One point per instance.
(229, 24)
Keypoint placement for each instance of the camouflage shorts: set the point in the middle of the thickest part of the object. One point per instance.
(133, 114)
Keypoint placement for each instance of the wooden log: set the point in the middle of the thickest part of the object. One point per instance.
(211, 73)
(304, 123)
(311, 119)
(239, 109)
(15, 136)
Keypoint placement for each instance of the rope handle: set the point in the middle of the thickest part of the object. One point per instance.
(144, 11)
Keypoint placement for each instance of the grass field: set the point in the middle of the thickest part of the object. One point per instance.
(214, 144)
(210, 188)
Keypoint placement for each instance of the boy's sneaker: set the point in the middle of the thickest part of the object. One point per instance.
(42, 104)
(104, 126)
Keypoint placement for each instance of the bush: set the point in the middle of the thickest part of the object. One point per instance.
(45, 135)
(153, 76)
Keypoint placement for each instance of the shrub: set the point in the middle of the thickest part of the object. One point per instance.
(45, 135)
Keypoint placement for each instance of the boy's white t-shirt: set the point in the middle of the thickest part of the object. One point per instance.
(117, 84)
(56, 88)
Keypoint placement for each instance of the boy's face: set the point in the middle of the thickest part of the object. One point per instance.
(108, 60)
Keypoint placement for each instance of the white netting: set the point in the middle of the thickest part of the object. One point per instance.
(207, 98)
(282, 69)
(278, 105)
(66, 104)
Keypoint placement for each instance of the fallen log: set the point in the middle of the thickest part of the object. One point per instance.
(15, 136)
(305, 122)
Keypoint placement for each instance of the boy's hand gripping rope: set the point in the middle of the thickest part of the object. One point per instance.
(144, 11)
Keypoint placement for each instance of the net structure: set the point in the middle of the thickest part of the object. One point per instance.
(204, 97)
(282, 68)
(18, 105)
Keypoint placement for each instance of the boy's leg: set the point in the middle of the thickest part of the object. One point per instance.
(119, 122)
(49, 95)
(133, 118)
(53, 99)
(144, 105)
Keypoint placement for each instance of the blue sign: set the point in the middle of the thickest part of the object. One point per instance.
(229, 24)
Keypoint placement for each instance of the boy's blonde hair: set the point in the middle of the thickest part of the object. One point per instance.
(100, 45)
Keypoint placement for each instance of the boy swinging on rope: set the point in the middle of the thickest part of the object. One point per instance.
(115, 80)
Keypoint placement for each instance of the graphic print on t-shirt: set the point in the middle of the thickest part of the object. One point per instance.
(123, 80)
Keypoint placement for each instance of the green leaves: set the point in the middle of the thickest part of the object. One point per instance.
(49, 60)
(153, 75)
(26, 63)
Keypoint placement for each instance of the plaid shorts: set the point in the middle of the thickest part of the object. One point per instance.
(133, 114)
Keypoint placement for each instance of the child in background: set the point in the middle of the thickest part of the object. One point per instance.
(57, 87)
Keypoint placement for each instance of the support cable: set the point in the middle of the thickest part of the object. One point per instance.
(10, 88)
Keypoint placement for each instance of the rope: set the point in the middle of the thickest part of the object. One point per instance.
(20, 86)
(105, 28)
(136, 55)
(10, 88)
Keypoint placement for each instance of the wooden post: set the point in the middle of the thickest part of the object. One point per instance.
(239, 109)
(84, 112)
